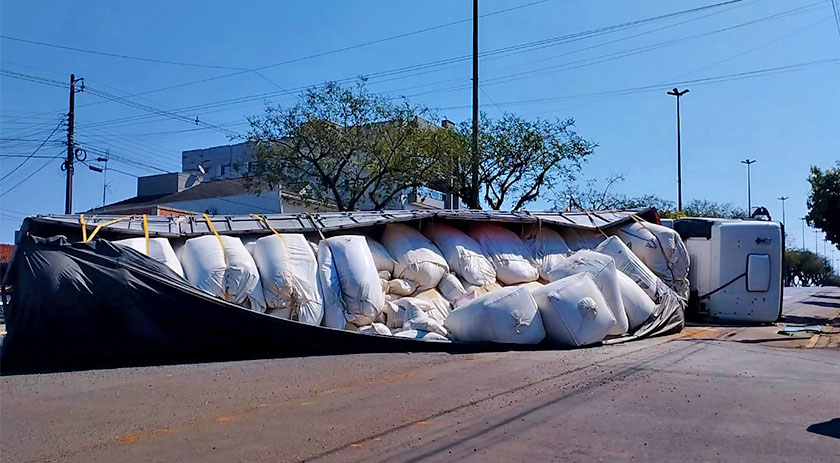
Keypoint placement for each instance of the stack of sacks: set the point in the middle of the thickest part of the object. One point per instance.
(417, 258)
(574, 312)
(453, 290)
(508, 315)
(392, 316)
(661, 249)
(382, 258)
(578, 238)
(159, 250)
(602, 270)
(547, 247)
(349, 282)
(476, 291)
(628, 263)
(220, 265)
(506, 252)
(441, 305)
(289, 274)
(420, 314)
(462, 253)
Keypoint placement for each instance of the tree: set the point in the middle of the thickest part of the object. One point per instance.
(593, 197)
(349, 148)
(706, 208)
(824, 202)
(804, 268)
(519, 158)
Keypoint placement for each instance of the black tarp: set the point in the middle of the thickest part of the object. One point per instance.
(96, 304)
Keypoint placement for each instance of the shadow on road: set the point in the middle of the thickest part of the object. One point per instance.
(825, 296)
(797, 320)
(833, 305)
(829, 428)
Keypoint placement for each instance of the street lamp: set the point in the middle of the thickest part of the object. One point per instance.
(783, 199)
(748, 162)
(677, 93)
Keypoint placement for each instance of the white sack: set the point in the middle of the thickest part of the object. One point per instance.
(289, 274)
(629, 264)
(532, 286)
(506, 251)
(228, 273)
(381, 257)
(401, 287)
(417, 315)
(463, 254)
(392, 315)
(574, 312)
(637, 304)
(578, 238)
(360, 289)
(424, 335)
(442, 307)
(546, 246)
(508, 315)
(375, 328)
(159, 250)
(661, 249)
(384, 275)
(330, 288)
(476, 291)
(601, 268)
(417, 258)
(451, 288)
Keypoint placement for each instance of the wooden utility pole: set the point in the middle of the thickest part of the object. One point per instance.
(68, 163)
(475, 156)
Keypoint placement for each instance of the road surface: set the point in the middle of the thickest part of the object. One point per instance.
(708, 394)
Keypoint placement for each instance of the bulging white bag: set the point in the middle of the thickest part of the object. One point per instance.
(629, 264)
(578, 238)
(330, 288)
(401, 287)
(442, 307)
(637, 304)
(661, 249)
(547, 247)
(417, 315)
(573, 311)
(508, 315)
(601, 268)
(289, 274)
(381, 257)
(159, 250)
(220, 265)
(451, 288)
(417, 258)
(463, 254)
(359, 288)
(506, 251)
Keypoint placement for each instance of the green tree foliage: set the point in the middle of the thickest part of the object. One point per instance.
(804, 268)
(520, 158)
(824, 202)
(349, 148)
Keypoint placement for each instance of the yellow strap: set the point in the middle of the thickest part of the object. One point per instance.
(84, 227)
(218, 237)
(265, 222)
(146, 232)
(99, 227)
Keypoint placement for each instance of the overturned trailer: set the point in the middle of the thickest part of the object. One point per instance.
(82, 301)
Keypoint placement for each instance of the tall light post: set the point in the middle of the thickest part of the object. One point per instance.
(803, 233)
(783, 199)
(475, 115)
(677, 93)
(816, 244)
(748, 162)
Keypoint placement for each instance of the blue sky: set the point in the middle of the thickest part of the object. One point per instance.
(786, 119)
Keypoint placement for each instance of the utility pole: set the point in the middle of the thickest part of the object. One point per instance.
(68, 163)
(105, 173)
(675, 92)
(816, 244)
(748, 162)
(475, 155)
(783, 199)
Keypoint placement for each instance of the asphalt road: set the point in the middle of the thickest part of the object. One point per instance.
(703, 395)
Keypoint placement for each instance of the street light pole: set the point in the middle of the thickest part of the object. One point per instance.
(748, 162)
(675, 92)
(783, 199)
(803, 233)
(475, 115)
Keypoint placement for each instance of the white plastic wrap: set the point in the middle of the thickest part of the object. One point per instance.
(637, 304)
(463, 254)
(159, 250)
(546, 246)
(225, 270)
(629, 264)
(601, 268)
(578, 238)
(573, 311)
(361, 293)
(661, 249)
(289, 274)
(508, 315)
(417, 258)
(506, 251)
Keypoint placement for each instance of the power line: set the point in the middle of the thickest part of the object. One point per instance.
(28, 177)
(836, 15)
(33, 153)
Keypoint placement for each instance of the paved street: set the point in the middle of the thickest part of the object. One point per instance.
(707, 394)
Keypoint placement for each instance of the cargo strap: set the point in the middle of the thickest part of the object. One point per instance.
(146, 232)
(264, 221)
(86, 238)
(218, 237)
(641, 222)
(592, 221)
(315, 225)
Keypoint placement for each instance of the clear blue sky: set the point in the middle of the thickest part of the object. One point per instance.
(788, 121)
